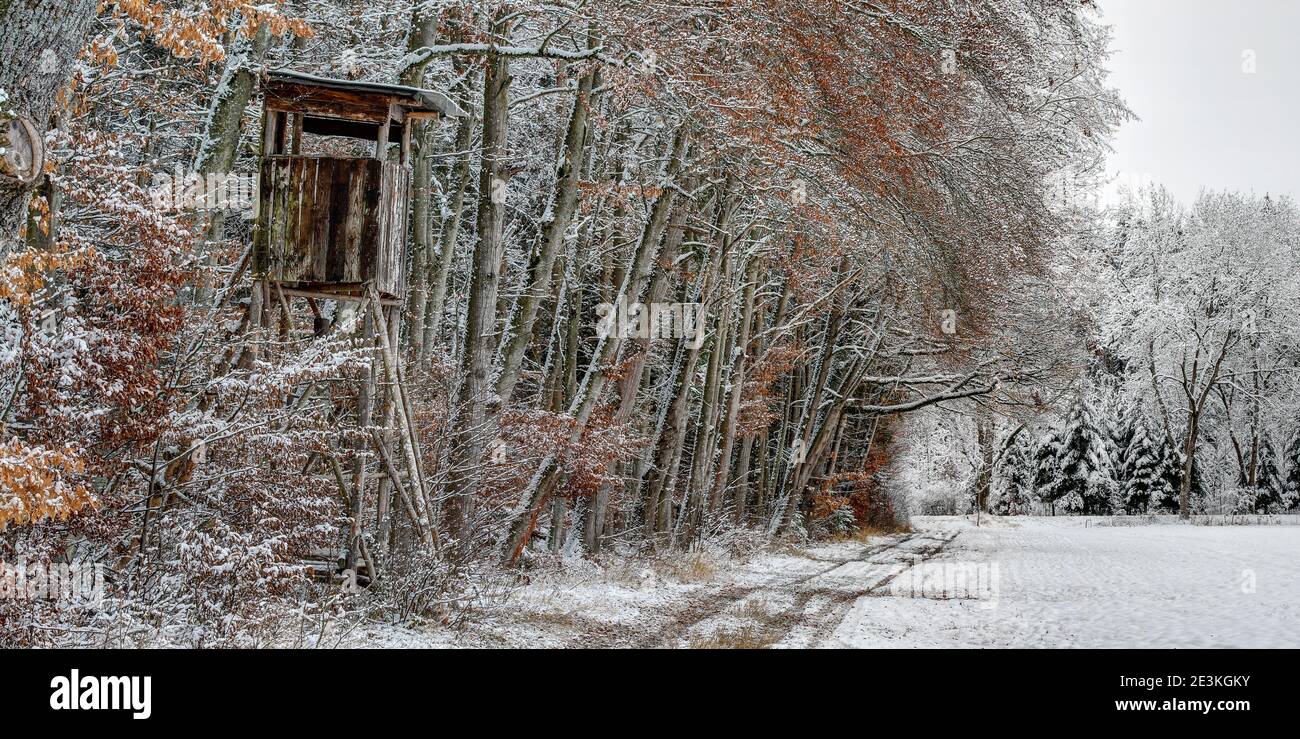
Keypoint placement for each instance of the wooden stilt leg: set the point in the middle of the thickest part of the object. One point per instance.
(364, 408)
(386, 484)
(402, 414)
(255, 313)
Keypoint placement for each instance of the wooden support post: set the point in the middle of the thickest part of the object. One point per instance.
(286, 315)
(268, 132)
(295, 145)
(364, 402)
(382, 526)
(381, 445)
(268, 304)
(256, 322)
(402, 412)
(381, 142)
(320, 325)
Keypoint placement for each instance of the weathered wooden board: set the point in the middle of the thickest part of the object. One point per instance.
(290, 90)
(325, 221)
(332, 103)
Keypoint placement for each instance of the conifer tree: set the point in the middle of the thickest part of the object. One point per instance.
(1141, 478)
(1291, 469)
(1171, 464)
(1122, 427)
(1046, 470)
(1084, 483)
(1013, 484)
(1269, 482)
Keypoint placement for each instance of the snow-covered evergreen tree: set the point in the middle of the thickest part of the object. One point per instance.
(1122, 426)
(1291, 468)
(1141, 479)
(1084, 483)
(1046, 470)
(1270, 485)
(1171, 465)
(1013, 479)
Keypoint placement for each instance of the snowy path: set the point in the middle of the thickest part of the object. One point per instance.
(1063, 584)
(1058, 583)
(785, 599)
(778, 605)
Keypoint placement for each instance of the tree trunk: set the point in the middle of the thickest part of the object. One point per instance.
(737, 383)
(39, 46)
(221, 141)
(471, 436)
(565, 203)
(448, 236)
(424, 27)
(984, 475)
(1189, 461)
(220, 144)
(632, 286)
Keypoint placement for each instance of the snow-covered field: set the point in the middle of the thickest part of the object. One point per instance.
(1064, 584)
(1010, 582)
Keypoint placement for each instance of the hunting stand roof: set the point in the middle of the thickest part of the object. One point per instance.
(351, 99)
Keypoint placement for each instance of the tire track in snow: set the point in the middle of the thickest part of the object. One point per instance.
(811, 604)
(840, 600)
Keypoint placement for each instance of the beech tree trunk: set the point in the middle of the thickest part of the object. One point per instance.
(424, 27)
(220, 142)
(472, 436)
(39, 45)
(632, 286)
(565, 203)
(448, 236)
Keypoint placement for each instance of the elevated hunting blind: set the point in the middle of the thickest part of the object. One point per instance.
(335, 226)
(333, 191)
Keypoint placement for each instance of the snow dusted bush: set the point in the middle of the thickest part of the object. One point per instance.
(832, 516)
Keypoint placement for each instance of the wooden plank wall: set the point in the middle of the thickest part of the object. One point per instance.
(391, 275)
(331, 221)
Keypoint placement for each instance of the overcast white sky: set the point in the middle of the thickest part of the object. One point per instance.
(1204, 121)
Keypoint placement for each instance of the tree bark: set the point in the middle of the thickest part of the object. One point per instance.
(424, 27)
(472, 436)
(39, 46)
(565, 203)
(448, 236)
(220, 143)
(631, 288)
(737, 384)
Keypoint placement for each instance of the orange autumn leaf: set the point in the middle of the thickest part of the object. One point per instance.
(34, 484)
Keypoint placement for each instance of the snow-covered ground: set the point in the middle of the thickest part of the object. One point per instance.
(1010, 582)
(1065, 584)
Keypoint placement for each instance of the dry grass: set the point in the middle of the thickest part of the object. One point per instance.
(756, 609)
(790, 548)
(625, 572)
(694, 567)
(548, 620)
(866, 533)
(684, 568)
(746, 637)
(765, 630)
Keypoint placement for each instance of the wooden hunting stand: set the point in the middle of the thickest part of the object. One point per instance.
(335, 228)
